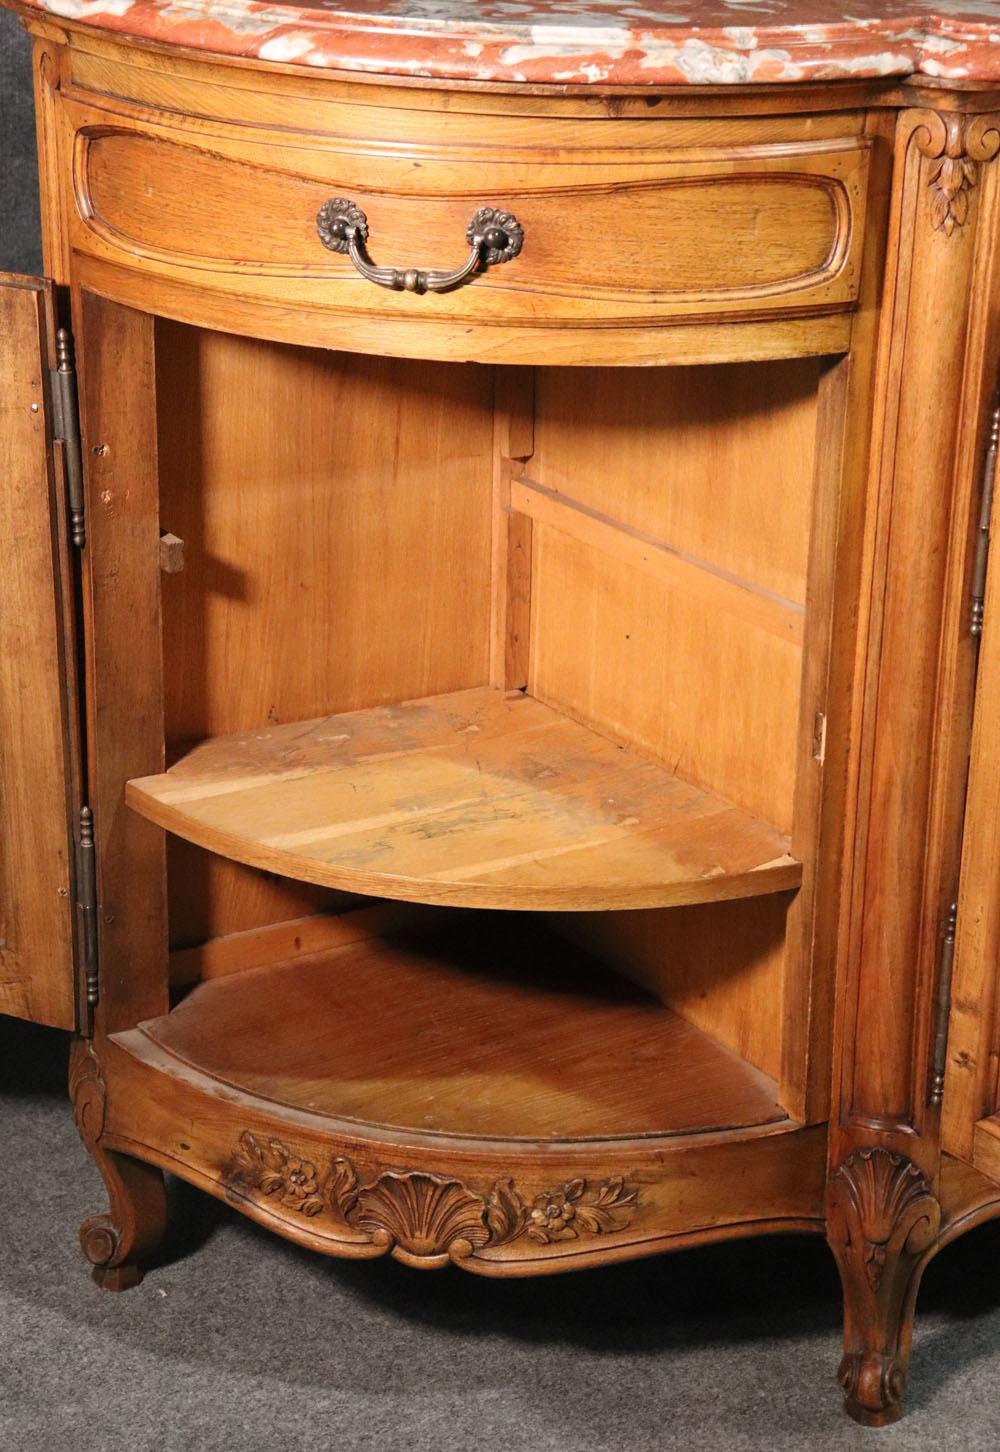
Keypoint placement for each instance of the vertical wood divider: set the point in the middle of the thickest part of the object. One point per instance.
(831, 683)
(510, 571)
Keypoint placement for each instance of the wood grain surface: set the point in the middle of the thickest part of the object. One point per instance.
(485, 1026)
(472, 798)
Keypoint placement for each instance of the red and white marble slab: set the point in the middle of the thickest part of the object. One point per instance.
(579, 42)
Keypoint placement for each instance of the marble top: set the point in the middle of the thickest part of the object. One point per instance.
(573, 42)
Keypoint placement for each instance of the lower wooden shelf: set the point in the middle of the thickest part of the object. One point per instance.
(471, 799)
(477, 1092)
(479, 1025)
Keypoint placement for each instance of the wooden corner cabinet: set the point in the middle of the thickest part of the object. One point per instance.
(500, 673)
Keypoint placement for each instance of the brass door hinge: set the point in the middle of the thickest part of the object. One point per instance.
(983, 534)
(66, 430)
(942, 1007)
(86, 907)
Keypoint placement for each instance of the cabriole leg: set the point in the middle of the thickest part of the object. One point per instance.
(881, 1219)
(116, 1244)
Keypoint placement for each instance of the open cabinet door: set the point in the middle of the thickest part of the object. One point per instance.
(970, 1126)
(39, 744)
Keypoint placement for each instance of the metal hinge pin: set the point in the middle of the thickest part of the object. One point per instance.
(983, 533)
(86, 902)
(66, 425)
(946, 966)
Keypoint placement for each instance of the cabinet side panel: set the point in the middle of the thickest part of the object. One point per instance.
(336, 518)
(36, 924)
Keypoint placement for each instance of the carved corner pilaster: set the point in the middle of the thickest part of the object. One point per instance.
(882, 1217)
(960, 145)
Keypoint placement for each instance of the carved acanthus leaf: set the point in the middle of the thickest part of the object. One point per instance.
(959, 144)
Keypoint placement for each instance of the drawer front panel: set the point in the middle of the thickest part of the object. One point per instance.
(773, 231)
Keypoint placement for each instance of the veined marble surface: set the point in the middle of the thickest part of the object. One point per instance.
(573, 42)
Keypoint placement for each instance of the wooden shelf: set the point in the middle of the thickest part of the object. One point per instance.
(478, 1025)
(472, 799)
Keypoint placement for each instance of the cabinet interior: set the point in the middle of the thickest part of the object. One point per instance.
(602, 576)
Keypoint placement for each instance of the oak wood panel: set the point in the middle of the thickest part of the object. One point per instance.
(717, 592)
(714, 697)
(123, 664)
(492, 1030)
(986, 1148)
(715, 462)
(295, 479)
(39, 747)
(472, 798)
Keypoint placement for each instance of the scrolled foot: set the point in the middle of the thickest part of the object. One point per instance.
(102, 1245)
(873, 1388)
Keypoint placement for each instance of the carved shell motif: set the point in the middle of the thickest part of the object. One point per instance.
(885, 1195)
(424, 1218)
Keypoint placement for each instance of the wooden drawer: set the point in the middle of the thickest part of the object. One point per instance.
(643, 238)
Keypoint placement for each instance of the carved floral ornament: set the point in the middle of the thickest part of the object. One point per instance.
(959, 145)
(426, 1218)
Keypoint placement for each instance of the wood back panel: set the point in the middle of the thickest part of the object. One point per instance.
(718, 966)
(671, 519)
(715, 462)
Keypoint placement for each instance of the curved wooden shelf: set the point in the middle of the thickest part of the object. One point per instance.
(471, 1026)
(470, 799)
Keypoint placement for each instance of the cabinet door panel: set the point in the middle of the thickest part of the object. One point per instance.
(38, 739)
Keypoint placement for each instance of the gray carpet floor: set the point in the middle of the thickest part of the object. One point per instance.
(239, 1340)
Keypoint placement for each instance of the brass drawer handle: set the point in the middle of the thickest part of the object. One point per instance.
(494, 236)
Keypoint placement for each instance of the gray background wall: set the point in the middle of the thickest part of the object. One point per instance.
(20, 249)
